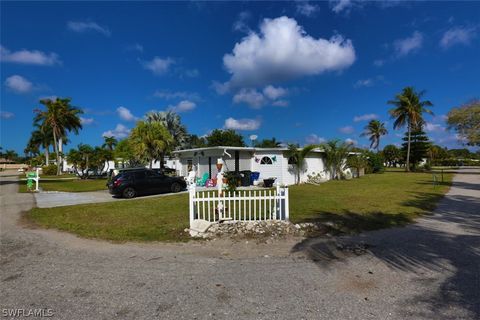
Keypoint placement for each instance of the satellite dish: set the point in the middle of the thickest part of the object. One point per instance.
(253, 137)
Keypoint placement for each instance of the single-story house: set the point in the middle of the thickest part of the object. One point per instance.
(269, 162)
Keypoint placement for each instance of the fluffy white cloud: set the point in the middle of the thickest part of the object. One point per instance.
(365, 117)
(364, 83)
(119, 132)
(351, 141)
(169, 95)
(86, 121)
(341, 5)
(251, 97)
(6, 115)
(24, 56)
(434, 127)
(408, 45)
(314, 139)
(280, 103)
(346, 129)
(125, 114)
(18, 84)
(242, 124)
(282, 50)
(307, 9)
(158, 65)
(457, 35)
(241, 23)
(86, 26)
(182, 106)
(274, 93)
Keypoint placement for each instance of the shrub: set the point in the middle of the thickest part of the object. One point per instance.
(375, 163)
(49, 170)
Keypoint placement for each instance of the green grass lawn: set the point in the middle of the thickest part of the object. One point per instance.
(67, 185)
(371, 202)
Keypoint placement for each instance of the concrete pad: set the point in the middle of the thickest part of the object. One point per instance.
(59, 199)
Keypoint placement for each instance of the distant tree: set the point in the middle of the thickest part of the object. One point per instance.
(460, 153)
(419, 145)
(151, 141)
(358, 162)
(392, 155)
(408, 111)
(268, 143)
(59, 118)
(173, 123)
(435, 152)
(11, 155)
(194, 141)
(296, 157)
(224, 138)
(124, 152)
(336, 153)
(465, 120)
(109, 143)
(374, 130)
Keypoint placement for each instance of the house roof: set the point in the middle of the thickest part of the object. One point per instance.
(236, 148)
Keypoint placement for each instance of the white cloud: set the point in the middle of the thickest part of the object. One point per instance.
(280, 103)
(135, 47)
(6, 115)
(18, 84)
(158, 65)
(182, 106)
(241, 23)
(86, 121)
(346, 129)
(251, 97)
(274, 93)
(408, 45)
(341, 5)
(434, 127)
(282, 50)
(119, 132)
(307, 9)
(242, 124)
(24, 56)
(169, 95)
(457, 35)
(125, 114)
(84, 26)
(378, 62)
(191, 73)
(365, 117)
(351, 141)
(314, 139)
(364, 83)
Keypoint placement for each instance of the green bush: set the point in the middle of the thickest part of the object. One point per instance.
(49, 170)
(375, 163)
(455, 163)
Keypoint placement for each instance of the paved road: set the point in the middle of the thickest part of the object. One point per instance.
(428, 270)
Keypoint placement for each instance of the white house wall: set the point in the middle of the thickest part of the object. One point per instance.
(274, 170)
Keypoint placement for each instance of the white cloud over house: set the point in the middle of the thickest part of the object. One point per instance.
(119, 132)
(282, 50)
(457, 36)
(87, 26)
(346, 129)
(408, 45)
(365, 117)
(159, 66)
(251, 97)
(32, 57)
(314, 139)
(306, 8)
(125, 114)
(169, 95)
(182, 106)
(18, 84)
(242, 124)
(274, 93)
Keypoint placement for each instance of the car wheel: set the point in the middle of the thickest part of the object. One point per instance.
(129, 193)
(176, 187)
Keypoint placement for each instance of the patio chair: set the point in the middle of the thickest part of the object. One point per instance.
(201, 182)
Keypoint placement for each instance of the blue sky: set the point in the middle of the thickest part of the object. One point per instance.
(298, 71)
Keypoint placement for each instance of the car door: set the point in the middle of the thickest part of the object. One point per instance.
(141, 183)
(157, 181)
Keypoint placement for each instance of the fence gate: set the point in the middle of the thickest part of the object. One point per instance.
(241, 205)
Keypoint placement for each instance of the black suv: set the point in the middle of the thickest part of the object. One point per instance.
(132, 182)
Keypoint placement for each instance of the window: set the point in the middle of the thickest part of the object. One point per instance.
(266, 160)
(292, 160)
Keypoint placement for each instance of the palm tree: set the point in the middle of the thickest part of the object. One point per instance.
(173, 123)
(408, 111)
(336, 154)
(151, 141)
(296, 156)
(374, 130)
(41, 137)
(60, 117)
(109, 143)
(269, 143)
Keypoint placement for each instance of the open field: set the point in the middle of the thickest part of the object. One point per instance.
(371, 202)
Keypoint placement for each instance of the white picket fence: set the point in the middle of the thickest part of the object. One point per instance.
(242, 205)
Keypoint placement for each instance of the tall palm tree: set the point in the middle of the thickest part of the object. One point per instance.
(60, 117)
(336, 154)
(109, 143)
(151, 141)
(173, 123)
(41, 137)
(408, 111)
(296, 156)
(374, 130)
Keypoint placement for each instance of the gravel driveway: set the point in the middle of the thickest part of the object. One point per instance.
(428, 270)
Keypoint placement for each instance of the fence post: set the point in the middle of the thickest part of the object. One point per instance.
(191, 191)
(287, 210)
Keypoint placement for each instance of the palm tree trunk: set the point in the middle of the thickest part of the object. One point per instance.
(47, 155)
(55, 146)
(60, 151)
(407, 167)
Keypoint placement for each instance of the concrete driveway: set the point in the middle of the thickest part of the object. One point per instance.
(428, 270)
